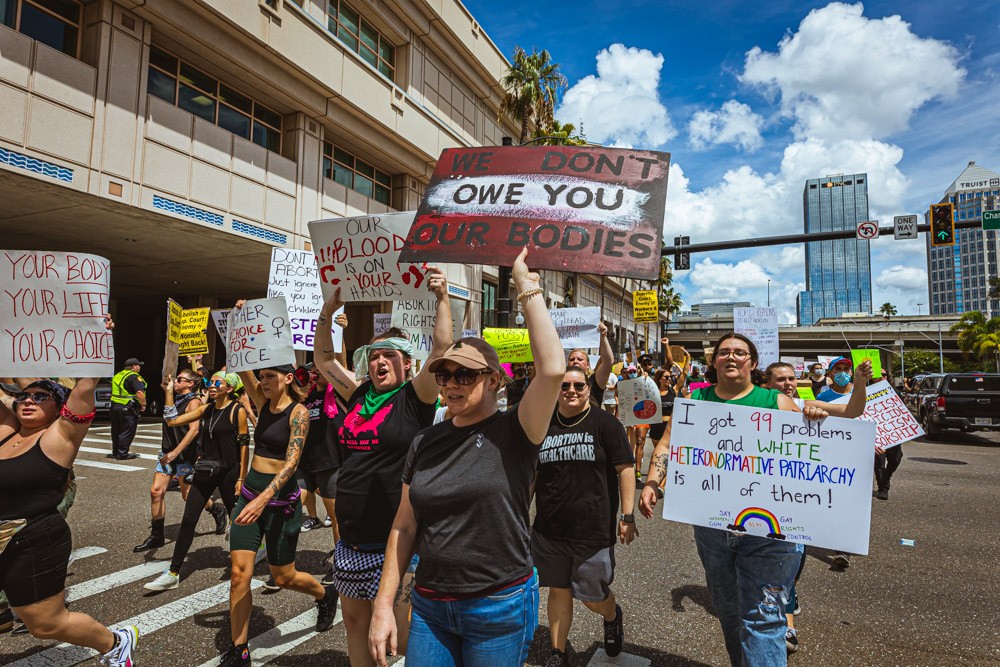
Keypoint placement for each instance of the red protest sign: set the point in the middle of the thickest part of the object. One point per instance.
(590, 209)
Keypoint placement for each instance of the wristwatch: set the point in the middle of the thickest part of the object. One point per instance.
(627, 518)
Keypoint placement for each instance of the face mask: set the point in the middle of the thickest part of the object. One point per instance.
(842, 379)
(818, 374)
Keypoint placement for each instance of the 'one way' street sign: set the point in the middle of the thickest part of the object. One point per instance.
(904, 227)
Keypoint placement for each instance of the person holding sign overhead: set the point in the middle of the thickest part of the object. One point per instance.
(464, 506)
(748, 576)
(386, 405)
(597, 378)
(39, 441)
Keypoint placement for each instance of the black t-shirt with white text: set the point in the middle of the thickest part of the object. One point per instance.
(576, 495)
(469, 488)
(320, 451)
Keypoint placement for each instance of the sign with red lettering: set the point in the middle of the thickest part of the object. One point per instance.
(258, 335)
(52, 310)
(361, 256)
(890, 415)
(294, 276)
(592, 210)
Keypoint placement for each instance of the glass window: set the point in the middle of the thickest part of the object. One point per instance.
(356, 174)
(234, 121)
(55, 23)
(197, 102)
(235, 100)
(162, 86)
(266, 136)
(361, 37)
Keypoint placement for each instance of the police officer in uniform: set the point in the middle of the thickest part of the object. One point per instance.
(128, 399)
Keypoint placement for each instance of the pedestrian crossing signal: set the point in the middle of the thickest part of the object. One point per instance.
(942, 224)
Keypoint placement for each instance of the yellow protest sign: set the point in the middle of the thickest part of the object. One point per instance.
(645, 306)
(859, 356)
(193, 340)
(174, 311)
(806, 393)
(512, 345)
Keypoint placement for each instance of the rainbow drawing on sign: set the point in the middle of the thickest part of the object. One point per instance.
(761, 514)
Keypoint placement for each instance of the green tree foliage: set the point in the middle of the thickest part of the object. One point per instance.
(559, 134)
(887, 309)
(531, 86)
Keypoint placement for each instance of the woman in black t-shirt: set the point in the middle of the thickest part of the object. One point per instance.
(384, 410)
(464, 506)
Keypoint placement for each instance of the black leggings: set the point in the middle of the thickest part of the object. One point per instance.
(199, 494)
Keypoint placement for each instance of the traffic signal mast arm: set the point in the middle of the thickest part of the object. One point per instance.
(737, 244)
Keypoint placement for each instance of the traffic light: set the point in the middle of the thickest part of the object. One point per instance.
(682, 260)
(942, 224)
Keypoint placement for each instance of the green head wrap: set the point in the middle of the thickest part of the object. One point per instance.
(361, 354)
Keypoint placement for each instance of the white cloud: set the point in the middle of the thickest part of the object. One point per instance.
(844, 76)
(903, 278)
(620, 105)
(726, 281)
(734, 124)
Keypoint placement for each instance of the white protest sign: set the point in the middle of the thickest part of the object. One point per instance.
(52, 310)
(294, 276)
(639, 402)
(825, 361)
(417, 317)
(360, 255)
(259, 336)
(886, 410)
(381, 323)
(798, 363)
(761, 326)
(577, 327)
(220, 318)
(471, 333)
(771, 473)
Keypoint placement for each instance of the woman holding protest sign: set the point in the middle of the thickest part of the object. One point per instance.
(39, 440)
(268, 508)
(597, 378)
(464, 507)
(222, 459)
(749, 577)
(384, 409)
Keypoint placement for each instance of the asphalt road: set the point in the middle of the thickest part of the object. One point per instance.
(933, 604)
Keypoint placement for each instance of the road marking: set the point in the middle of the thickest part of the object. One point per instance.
(105, 441)
(621, 660)
(87, 552)
(95, 450)
(278, 641)
(127, 576)
(65, 655)
(107, 466)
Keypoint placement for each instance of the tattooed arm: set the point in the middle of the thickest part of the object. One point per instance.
(657, 473)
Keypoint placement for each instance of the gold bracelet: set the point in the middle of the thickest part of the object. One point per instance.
(527, 294)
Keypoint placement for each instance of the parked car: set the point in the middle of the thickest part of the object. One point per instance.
(961, 401)
(102, 397)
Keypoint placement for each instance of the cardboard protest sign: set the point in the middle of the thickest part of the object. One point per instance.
(193, 340)
(381, 323)
(417, 319)
(577, 327)
(361, 256)
(886, 410)
(174, 314)
(591, 209)
(259, 336)
(639, 402)
(797, 363)
(52, 310)
(293, 275)
(806, 393)
(512, 345)
(860, 356)
(645, 306)
(825, 361)
(761, 326)
(771, 473)
(220, 318)
(470, 333)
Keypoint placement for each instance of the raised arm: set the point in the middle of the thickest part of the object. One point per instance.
(656, 474)
(535, 409)
(603, 370)
(667, 355)
(855, 407)
(424, 384)
(333, 369)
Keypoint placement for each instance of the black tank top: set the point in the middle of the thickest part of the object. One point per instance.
(218, 435)
(270, 438)
(172, 435)
(31, 484)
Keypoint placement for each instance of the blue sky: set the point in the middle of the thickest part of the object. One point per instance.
(752, 98)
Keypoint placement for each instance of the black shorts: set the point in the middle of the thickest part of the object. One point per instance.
(33, 566)
(323, 481)
(656, 432)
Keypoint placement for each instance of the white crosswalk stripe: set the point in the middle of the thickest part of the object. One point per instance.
(86, 552)
(121, 467)
(277, 641)
(127, 576)
(95, 450)
(620, 660)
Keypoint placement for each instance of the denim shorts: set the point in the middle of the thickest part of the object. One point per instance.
(176, 469)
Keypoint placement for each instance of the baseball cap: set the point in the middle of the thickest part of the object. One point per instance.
(470, 352)
(834, 362)
(630, 367)
(132, 361)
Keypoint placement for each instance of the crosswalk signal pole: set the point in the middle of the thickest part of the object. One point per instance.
(942, 224)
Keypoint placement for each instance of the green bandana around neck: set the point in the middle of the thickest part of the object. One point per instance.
(374, 400)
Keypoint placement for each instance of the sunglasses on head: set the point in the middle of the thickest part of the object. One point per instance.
(38, 397)
(463, 376)
(577, 386)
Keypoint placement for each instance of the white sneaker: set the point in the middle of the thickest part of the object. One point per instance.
(165, 582)
(123, 654)
(261, 554)
(327, 522)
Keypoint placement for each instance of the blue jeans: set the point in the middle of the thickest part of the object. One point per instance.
(749, 579)
(492, 631)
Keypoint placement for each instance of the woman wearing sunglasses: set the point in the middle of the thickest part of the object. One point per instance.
(223, 454)
(40, 436)
(464, 507)
(585, 466)
(384, 409)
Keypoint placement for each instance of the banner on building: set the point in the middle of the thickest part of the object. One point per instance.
(645, 306)
(886, 410)
(771, 473)
(259, 336)
(590, 209)
(417, 318)
(761, 326)
(639, 402)
(52, 311)
(294, 277)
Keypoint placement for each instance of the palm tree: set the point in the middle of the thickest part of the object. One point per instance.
(531, 87)
(670, 301)
(979, 335)
(887, 310)
(559, 134)
(988, 345)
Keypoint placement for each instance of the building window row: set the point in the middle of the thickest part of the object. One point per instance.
(361, 37)
(178, 83)
(356, 174)
(55, 23)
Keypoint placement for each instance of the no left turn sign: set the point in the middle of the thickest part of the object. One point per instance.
(868, 230)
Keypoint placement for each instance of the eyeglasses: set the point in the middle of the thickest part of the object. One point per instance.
(463, 376)
(37, 397)
(738, 355)
(216, 383)
(577, 386)
(181, 378)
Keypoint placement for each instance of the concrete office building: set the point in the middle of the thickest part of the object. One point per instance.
(958, 276)
(838, 273)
